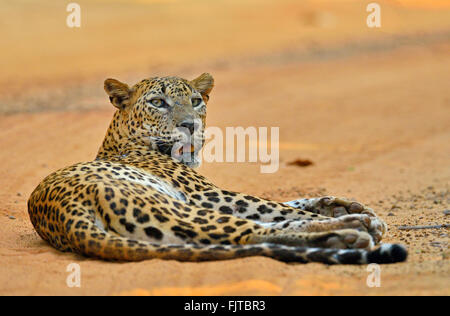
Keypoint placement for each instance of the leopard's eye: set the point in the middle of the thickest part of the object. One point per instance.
(159, 103)
(196, 102)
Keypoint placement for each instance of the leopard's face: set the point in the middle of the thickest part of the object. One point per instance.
(167, 114)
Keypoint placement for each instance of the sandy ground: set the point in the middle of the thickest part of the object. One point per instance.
(369, 108)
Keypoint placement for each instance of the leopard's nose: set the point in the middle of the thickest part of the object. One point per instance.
(190, 125)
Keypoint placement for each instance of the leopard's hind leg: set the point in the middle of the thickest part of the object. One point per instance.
(75, 226)
(277, 215)
(87, 238)
(166, 220)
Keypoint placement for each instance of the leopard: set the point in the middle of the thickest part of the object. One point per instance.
(142, 198)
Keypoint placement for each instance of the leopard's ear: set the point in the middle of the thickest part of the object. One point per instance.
(119, 93)
(204, 84)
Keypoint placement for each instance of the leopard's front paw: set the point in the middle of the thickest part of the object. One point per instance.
(342, 208)
(337, 207)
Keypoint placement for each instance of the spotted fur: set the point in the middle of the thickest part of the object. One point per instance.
(141, 198)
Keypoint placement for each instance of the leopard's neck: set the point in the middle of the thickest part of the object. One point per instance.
(118, 142)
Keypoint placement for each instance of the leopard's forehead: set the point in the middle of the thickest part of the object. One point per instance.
(170, 86)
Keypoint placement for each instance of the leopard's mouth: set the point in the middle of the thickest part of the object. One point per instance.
(185, 153)
(176, 149)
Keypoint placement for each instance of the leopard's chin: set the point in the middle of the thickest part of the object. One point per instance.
(193, 164)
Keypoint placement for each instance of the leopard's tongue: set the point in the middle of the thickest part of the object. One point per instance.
(186, 149)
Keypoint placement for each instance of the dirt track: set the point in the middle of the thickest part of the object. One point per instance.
(372, 115)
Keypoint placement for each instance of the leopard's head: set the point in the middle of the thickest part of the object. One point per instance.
(167, 114)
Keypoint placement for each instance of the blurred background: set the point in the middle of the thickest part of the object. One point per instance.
(367, 109)
(132, 39)
(313, 68)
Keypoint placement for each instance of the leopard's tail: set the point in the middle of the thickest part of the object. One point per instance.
(90, 240)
